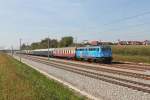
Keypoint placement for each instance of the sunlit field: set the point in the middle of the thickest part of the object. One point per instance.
(132, 53)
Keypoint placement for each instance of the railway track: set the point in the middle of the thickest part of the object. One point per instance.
(124, 65)
(85, 71)
(121, 65)
(130, 66)
(125, 73)
(110, 70)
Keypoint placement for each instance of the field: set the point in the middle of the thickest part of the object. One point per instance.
(20, 82)
(131, 53)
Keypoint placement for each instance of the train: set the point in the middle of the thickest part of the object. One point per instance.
(91, 53)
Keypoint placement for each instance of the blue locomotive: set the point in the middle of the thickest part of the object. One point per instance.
(95, 53)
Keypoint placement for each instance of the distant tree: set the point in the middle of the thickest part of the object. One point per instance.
(53, 43)
(66, 41)
(23, 47)
(35, 45)
(44, 43)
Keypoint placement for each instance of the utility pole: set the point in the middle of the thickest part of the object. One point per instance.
(20, 48)
(48, 46)
(26, 48)
(12, 51)
(76, 41)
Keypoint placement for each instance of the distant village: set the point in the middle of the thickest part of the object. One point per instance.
(120, 42)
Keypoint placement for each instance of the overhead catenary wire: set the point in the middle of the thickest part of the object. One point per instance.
(128, 18)
(125, 19)
(128, 26)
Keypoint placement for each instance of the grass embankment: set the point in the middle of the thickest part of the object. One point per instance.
(20, 82)
(131, 53)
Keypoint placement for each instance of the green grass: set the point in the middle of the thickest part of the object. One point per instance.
(136, 59)
(20, 82)
(131, 53)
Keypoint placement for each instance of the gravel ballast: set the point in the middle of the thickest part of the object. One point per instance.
(97, 88)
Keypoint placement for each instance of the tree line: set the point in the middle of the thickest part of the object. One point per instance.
(53, 43)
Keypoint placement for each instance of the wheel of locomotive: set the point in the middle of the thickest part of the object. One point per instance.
(89, 60)
(96, 60)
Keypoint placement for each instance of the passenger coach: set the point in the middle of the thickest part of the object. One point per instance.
(68, 52)
(42, 52)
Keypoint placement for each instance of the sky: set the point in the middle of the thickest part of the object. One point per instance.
(106, 20)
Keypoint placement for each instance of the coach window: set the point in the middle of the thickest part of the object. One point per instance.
(71, 51)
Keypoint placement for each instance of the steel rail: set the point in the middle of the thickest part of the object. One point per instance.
(125, 73)
(114, 80)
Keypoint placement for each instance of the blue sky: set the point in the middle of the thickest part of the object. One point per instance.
(33, 20)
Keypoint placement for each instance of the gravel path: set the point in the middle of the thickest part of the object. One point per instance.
(97, 88)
